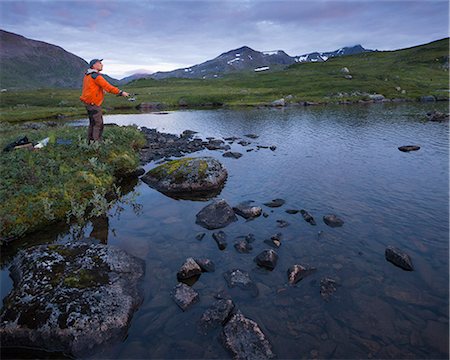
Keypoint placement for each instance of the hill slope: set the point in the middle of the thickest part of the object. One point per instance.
(405, 74)
(27, 63)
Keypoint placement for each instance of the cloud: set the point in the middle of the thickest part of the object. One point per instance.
(164, 35)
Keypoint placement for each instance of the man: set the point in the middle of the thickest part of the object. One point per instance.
(94, 87)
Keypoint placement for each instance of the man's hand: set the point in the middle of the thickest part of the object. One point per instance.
(124, 93)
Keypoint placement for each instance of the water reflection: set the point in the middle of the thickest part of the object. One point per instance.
(341, 160)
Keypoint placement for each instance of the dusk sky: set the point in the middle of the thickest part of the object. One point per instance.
(132, 36)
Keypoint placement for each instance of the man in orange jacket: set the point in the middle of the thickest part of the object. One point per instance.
(92, 95)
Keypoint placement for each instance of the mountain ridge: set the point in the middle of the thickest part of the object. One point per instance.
(27, 63)
(245, 58)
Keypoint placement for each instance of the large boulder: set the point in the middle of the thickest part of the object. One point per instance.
(71, 297)
(188, 178)
(245, 340)
(216, 215)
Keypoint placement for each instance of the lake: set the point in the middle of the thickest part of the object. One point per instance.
(341, 160)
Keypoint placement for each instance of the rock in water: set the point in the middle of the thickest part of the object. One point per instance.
(327, 288)
(241, 279)
(398, 258)
(275, 240)
(189, 269)
(437, 116)
(245, 340)
(282, 223)
(275, 203)
(221, 239)
(217, 314)
(267, 259)
(216, 215)
(242, 246)
(206, 265)
(252, 136)
(232, 154)
(292, 211)
(188, 178)
(247, 211)
(307, 217)
(298, 272)
(333, 221)
(184, 296)
(408, 148)
(64, 300)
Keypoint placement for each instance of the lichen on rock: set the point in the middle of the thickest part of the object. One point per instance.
(188, 177)
(70, 297)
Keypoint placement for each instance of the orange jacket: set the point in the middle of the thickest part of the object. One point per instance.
(94, 88)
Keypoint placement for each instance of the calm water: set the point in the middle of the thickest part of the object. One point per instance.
(341, 160)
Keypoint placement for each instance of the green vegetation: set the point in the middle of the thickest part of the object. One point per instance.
(408, 74)
(180, 169)
(60, 182)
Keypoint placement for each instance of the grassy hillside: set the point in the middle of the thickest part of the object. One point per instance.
(408, 74)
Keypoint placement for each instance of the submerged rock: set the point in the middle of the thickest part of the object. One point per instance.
(267, 259)
(307, 217)
(206, 265)
(232, 154)
(292, 211)
(398, 258)
(332, 220)
(217, 314)
(252, 136)
(216, 215)
(189, 269)
(243, 246)
(241, 279)
(282, 223)
(188, 177)
(245, 340)
(327, 288)
(275, 203)
(247, 211)
(298, 272)
(275, 240)
(71, 297)
(184, 296)
(407, 148)
(221, 239)
(200, 236)
(437, 116)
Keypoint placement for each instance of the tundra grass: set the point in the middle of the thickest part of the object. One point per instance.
(403, 74)
(50, 184)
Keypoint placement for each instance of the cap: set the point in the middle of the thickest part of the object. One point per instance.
(93, 61)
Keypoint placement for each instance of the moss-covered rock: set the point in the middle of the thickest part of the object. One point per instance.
(70, 297)
(188, 177)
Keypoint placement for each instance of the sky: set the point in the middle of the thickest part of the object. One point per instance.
(149, 36)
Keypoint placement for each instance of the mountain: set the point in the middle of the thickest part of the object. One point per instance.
(133, 77)
(27, 63)
(247, 59)
(324, 56)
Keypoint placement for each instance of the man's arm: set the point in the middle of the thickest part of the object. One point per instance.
(99, 80)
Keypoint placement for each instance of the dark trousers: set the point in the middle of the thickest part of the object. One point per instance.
(95, 129)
